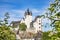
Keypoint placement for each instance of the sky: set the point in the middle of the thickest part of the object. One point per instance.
(17, 8)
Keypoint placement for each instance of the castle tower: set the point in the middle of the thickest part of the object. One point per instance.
(37, 24)
(28, 18)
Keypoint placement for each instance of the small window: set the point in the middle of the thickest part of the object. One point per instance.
(39, 27)
(39, 23)
(39, 20)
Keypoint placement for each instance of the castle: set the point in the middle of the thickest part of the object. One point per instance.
(32, 25)
(33, 30)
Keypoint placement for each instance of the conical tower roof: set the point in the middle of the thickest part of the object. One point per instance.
(28, 12)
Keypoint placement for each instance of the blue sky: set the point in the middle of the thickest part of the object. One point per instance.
(21, 4)
(16, 8)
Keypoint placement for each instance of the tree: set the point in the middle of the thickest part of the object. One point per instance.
(5, 21)
(6, 18)
(22, 26)
(1, 22)
(45, 35)
(6, 33)
(54, 16)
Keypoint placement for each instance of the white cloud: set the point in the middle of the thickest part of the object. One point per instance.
(38, 12)
(35, 11)
(16, 15)
(19, 11)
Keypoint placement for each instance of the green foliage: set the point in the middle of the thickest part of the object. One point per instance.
(45, 36)
(22, 26)
(1, 22)
(6, 33)
(5, 21)
(6, 18)
(54, 16)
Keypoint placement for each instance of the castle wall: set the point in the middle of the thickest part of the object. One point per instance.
(28, 20)
(37, 25)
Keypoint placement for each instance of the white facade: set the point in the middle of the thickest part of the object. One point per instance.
(33, 26)
(37, 25)
(28, 19)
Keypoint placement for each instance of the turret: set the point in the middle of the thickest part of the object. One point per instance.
(28, 12)
(28, 18)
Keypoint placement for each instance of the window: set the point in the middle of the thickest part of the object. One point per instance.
(39, 27)
(39, 20)
(39, 23)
